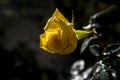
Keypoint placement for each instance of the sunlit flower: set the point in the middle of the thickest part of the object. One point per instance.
(59, 36)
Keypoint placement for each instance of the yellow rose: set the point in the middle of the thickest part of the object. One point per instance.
(59, 36)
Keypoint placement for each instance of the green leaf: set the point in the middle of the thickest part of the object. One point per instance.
(82, 33)
(85, 43)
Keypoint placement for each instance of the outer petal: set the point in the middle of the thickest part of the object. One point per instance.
(56, 15)
(72, 41)
(52, 24)
(43, 41)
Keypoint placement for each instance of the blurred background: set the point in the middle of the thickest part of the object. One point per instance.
(21, 23)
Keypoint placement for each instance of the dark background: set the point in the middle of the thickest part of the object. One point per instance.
(21, 23)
